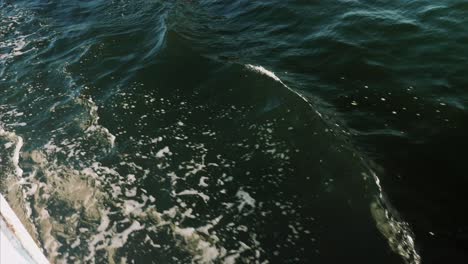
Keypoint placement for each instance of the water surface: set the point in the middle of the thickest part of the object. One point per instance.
(236, 131)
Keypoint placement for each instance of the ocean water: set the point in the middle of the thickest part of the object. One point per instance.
(202, 131)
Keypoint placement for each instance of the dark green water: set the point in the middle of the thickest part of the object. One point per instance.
(237, 131)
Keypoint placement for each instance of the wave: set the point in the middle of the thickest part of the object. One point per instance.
(397, 232)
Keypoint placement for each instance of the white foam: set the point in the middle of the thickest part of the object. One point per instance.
(397, 232)
(245, 199)
(206, 252)
(95, 126)
(194, 192)
(18, 141)
(132, 207)
(16, 154)
(262, 70)
(120, 239)
(202, 182)
(161, 153)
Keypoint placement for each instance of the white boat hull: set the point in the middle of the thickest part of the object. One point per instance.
(16, 244)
